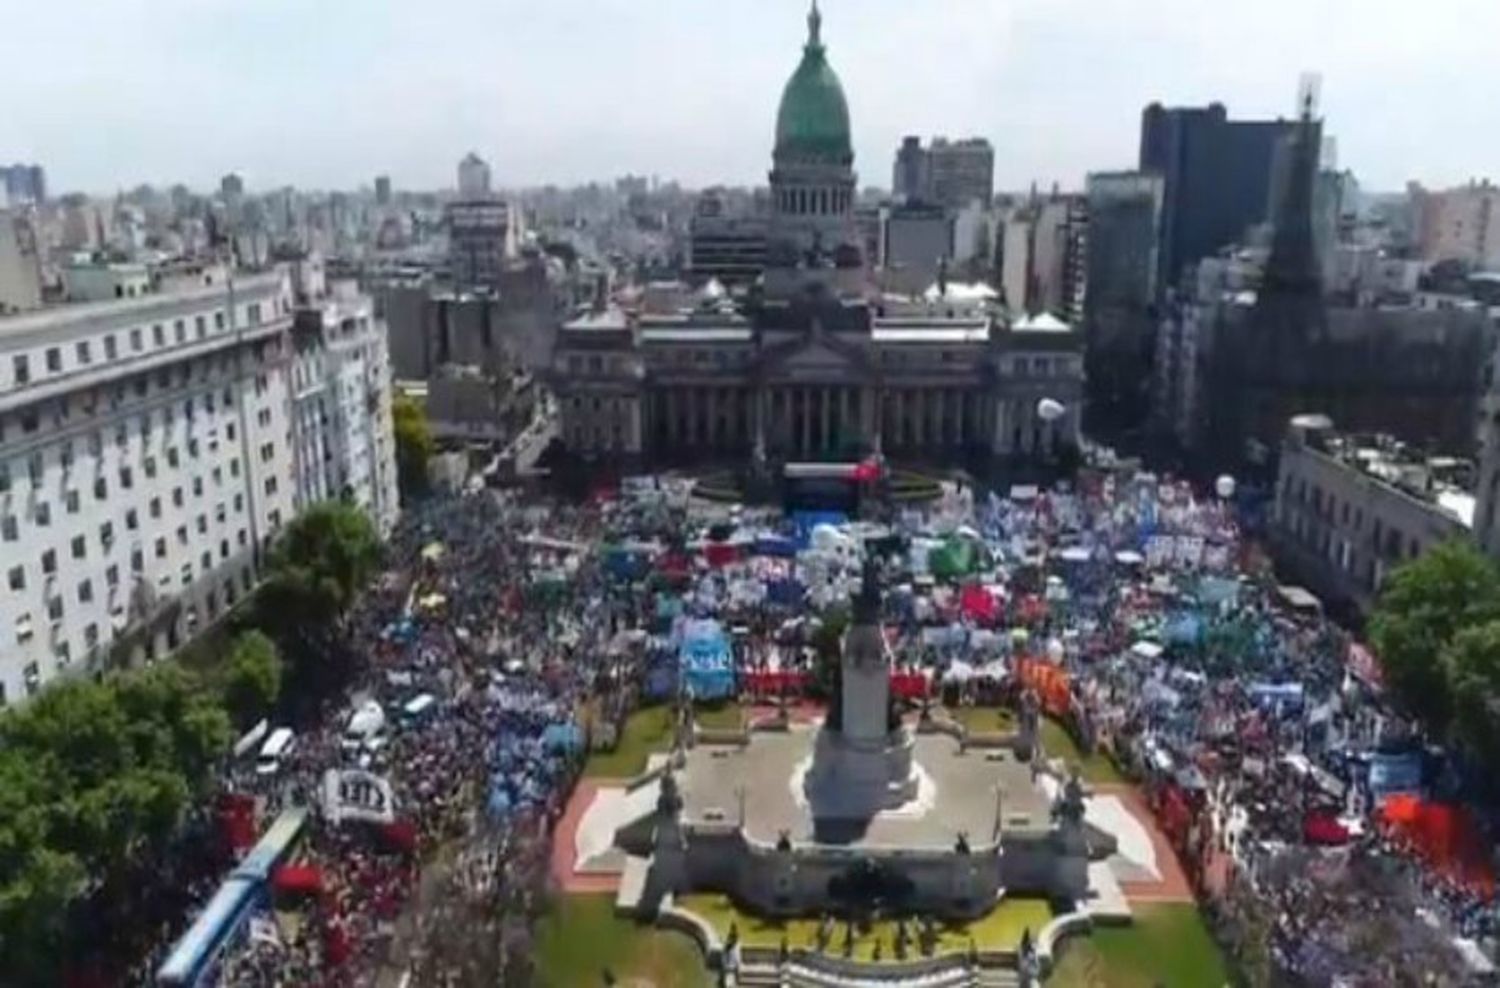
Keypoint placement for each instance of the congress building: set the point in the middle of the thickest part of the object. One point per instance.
(814, 361)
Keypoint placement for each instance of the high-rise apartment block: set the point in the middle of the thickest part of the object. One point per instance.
(961, 172)
(148, 454)
(23, 184)
(1460, 224)
(482, 236)
(473, 177)
(946, 173)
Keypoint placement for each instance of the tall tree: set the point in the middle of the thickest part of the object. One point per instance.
(1422, 607)
(252, 682)
(318, 565)
(95, 781)
(414, 445)
(1472, 663)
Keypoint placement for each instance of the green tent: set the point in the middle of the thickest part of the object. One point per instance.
(956, 558)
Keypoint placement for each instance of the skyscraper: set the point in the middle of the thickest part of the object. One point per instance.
(473, 177)
(382, 190)
(1286, 351)
(909, 178)
(22, 183)
(961, 172)
(1124, 230)
(1216, 174)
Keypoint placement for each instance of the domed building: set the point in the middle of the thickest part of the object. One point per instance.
(812, 227)
(813, 363)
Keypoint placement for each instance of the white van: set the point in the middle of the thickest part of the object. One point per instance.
(276, 748)
(364, 727)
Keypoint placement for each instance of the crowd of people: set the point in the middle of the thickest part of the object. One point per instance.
(1129, 604)
(480, 661)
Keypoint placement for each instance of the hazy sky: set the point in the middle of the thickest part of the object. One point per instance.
(328, 93)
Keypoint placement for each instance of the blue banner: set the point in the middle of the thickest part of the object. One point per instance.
(1395, 773)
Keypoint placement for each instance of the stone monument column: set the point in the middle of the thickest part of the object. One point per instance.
(866, 672)
(862, 766)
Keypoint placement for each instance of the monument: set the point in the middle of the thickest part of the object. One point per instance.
(862, 762)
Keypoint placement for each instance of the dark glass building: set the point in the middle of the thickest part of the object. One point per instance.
(1217, 179)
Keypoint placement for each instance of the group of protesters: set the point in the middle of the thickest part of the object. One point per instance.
(503, 670)
(1129, 603)
(1153, 631)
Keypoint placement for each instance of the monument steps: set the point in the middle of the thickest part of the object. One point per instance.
(798, 976)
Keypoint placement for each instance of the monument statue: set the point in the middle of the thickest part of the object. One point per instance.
(862, 762)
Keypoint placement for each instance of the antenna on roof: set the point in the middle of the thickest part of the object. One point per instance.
(1309, 94)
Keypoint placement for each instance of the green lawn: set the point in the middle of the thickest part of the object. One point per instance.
(580, 938)
(999, 930)
(984, 720)
(1166, 945)
(1058, 743)
(647, 730)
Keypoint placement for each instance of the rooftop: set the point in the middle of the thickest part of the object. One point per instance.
(1445, 482)
(1042, 322)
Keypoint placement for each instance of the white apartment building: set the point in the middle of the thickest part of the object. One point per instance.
(151, 447)
(342, 440)
(143, 468)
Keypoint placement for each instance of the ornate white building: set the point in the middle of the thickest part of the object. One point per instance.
(814, 361)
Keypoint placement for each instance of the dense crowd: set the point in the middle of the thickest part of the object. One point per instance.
(467, 618)
(1129, 604)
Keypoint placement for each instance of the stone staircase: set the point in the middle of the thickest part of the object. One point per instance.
(800, 976)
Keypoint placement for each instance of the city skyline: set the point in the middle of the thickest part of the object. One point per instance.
(327, 98)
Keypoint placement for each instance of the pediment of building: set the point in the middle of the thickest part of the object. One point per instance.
(815, 357)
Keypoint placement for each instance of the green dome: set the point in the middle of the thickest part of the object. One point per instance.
(814, 116)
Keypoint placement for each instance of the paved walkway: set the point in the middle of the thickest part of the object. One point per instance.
(1173, 885)
(565, 842)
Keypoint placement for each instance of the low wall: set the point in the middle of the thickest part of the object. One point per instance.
(987, 740)
(671, 918)
(723, 858)
(738, 737)
(1052, 935)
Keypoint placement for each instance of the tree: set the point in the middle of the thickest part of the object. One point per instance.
(1472, 665)
(322, 560)
(253, 679)
(95, 781)
(414, 446)
(1423, 606)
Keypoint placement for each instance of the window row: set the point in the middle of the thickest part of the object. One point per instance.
(54, 360)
